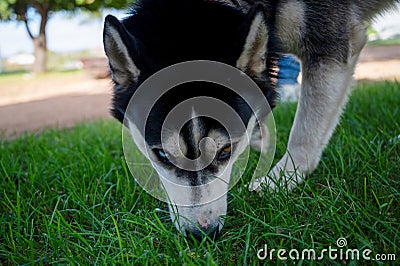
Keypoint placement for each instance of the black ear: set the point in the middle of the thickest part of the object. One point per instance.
(255, 31)
(121, 49)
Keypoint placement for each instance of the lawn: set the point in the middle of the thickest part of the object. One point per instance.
(14, 78)
(395, 41)
(67, 197)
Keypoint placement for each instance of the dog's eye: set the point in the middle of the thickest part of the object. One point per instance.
(162, 156)
(225, 153)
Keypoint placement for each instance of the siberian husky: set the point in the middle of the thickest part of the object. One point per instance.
(327, 36)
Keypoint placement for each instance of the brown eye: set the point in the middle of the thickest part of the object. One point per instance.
(227, 149)
(225, 153)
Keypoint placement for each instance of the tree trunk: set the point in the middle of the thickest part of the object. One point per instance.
(40, 52)
(39, 41)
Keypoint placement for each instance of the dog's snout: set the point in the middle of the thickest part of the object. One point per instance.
(199, 222)
(212, 231)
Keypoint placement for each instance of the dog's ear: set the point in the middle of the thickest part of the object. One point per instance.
(255, 34)
(121, 49)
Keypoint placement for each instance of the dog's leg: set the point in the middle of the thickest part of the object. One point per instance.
(324, 93)
(359, 39)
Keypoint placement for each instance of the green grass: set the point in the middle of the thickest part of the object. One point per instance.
(67, 197)
(15, 77)
(395, 41)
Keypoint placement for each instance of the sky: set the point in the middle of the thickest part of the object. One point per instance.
(67, 33)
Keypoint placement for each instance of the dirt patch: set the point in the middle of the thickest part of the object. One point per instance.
(33, 104)
(380, 53)
(60, 111)
(31, 88)
(379, 63)
(378, 70)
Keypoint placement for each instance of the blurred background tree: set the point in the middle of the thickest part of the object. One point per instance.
(24, 10)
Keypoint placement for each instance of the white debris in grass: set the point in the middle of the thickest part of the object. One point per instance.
(395, 139)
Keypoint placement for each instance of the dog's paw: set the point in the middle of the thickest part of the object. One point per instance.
(261, 184)
(284, 175)
(277, 178)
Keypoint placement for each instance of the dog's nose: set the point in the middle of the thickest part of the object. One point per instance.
(212, 231)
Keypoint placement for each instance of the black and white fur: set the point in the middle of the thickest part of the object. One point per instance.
(327, 36)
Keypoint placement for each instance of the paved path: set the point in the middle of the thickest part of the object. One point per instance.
(60, 111)
(60, 101)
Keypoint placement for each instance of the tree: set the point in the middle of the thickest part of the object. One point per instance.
(20, 10)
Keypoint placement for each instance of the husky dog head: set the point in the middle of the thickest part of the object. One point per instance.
(198, 153)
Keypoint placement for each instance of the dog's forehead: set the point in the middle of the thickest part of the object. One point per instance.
(187, 140)
(193, 109)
